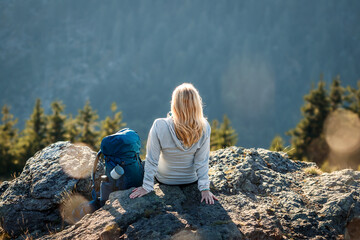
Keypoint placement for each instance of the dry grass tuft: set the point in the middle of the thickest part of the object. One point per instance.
(4, 236)
(313, 171)
(112, 227)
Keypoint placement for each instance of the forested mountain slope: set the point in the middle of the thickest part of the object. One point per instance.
(253, 60)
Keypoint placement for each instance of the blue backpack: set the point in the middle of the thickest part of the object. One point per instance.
(120, 150)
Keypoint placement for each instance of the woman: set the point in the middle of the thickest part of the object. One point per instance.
(178, 146)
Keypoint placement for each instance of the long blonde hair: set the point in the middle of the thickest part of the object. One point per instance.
(187, 113)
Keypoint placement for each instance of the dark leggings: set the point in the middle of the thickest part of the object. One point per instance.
(179, 185)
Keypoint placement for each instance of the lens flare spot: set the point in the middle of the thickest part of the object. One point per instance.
(77, 161)
(74, 207)
(342, 131)
(187, 234)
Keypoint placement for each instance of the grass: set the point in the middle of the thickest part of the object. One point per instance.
(326, 167)
(27, 235)
(9, 178)
(288, 150)
(4, 236)
(313, 171)
(112, 227)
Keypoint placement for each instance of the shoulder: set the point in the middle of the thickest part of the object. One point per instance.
(160, 122)
(160, 127)
(207, 128)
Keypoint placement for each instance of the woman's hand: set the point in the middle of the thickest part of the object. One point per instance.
(208, 197)
(138, 192)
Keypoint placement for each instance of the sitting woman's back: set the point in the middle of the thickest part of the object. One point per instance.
(171, 161)
(178, 146)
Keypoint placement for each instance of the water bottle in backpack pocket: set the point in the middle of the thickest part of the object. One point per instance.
(106, 187)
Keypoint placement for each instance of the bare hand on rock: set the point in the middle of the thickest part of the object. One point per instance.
(138, 192)
(208, 197)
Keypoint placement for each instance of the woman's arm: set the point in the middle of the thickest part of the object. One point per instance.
(201, 163)
(152, 158)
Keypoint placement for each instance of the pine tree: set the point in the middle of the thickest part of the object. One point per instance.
(8, 135)
(307, 139)
(111, 124)
(71, 129)
(227, 135)
(214, 136)
(336, 94)
(56, 123)
(353, 98)
(87, 125)
(277, 144)
(33, 137)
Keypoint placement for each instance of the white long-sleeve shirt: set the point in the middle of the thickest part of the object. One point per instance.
(171, 162)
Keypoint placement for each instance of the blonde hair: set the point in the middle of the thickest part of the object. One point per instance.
(187, 113)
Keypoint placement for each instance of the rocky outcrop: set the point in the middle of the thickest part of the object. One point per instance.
(262, 195)
(32, 201)
(274, 197)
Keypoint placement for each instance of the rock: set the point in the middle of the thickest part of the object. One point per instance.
(4, 185)
(31, 202)
(262, 195)
(150, 217)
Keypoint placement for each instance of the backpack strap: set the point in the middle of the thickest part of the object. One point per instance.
(93, 192)
(140, 162)
(137, 156)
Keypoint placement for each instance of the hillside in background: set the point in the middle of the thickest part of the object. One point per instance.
(253, 60)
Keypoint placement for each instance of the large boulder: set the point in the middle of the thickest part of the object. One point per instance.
(262, 195)
(31, 203)
(166, 213)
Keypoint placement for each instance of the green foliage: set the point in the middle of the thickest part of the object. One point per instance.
(223, 136)
(336, 94)
(56, 123)
(277, 144)
(41, 130)
(8, 135)
(72, 131)
(227, 135)
(353, 99)
(111, 124)
(86, 122)
(307, 138)
(214, 137)
(33, 137)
